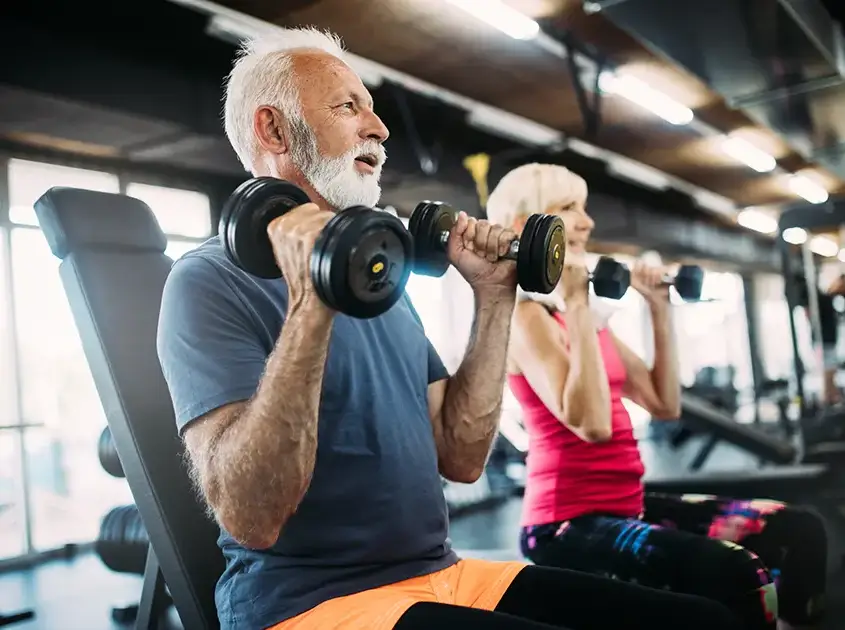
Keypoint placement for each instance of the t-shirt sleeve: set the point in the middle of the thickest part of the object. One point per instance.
(209, 351)
(436, 370)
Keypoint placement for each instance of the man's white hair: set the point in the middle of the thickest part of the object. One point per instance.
(533, 188)
(263, 75)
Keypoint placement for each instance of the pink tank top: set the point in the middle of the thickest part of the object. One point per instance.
(568, 477)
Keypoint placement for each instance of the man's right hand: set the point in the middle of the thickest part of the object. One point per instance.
(292, 236)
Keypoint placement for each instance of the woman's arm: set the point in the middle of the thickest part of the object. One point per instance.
(658, 390)
(571, 382)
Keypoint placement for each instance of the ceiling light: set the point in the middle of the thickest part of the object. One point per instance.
(794, 235)
(745, 152)
(499, 15)
(758, 221)
(514, 127)
(824, 246)
(711, 201)
(808, 189)
(638, 173)
(645, 96)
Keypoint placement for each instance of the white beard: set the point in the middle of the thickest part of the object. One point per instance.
(336, 179)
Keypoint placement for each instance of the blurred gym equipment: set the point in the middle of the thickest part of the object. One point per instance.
(107, 454)
(8, 620)
(821, 430)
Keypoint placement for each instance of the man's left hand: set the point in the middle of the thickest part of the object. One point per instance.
(474, 249)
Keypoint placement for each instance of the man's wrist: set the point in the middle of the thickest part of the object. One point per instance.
(495, 296)
(309, 307)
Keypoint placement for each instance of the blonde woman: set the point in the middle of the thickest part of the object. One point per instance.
(584, 504)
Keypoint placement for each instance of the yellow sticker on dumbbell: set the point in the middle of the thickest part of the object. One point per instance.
(378, 267)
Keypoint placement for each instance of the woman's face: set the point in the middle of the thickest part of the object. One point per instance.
(579, 225)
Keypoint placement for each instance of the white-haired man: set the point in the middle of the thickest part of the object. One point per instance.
(319, 440)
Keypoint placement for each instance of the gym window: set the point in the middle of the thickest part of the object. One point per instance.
(50, 414)
(29, 180)
(180, 213)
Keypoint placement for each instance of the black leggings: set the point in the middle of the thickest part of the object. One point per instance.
(542, 597)
(779, 571)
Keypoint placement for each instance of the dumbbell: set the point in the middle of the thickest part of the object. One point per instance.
(611, 279)
(360, 262)
(538, 253)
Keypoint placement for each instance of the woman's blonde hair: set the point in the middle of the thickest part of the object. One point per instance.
(533, 188)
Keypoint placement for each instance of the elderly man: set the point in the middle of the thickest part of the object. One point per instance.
(317, 440)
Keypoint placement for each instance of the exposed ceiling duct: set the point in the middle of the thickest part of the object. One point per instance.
(780, 61)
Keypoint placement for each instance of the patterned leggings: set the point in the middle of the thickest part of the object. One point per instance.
(779, 571)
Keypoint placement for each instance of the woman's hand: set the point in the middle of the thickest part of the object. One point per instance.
(574, 285)
(649, 282)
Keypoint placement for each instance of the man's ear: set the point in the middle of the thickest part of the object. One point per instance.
(270, 130)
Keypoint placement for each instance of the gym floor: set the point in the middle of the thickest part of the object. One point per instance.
(78, 594)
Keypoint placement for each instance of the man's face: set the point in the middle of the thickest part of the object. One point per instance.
(338, 143)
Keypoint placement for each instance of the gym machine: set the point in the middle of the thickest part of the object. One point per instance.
(822, 432)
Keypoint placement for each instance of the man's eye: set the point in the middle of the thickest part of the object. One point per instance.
(349, 105)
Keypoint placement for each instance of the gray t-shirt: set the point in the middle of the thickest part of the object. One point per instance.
(374, 513)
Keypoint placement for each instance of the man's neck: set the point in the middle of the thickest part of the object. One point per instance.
(294, 176)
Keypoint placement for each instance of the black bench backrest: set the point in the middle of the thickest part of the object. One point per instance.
(113, 270)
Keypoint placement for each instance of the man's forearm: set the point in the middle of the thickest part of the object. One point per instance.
(263, 463)
(664, 374)
(473, 401)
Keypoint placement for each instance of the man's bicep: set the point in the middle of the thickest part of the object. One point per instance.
(209, 354)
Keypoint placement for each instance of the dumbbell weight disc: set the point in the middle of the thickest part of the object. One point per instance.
(361, 262)
(689, 281)
(542, 250)
(107, 454)
(428, 221)
(246, 216)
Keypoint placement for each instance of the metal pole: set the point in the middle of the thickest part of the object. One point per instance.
(792, 301)
(813, 291)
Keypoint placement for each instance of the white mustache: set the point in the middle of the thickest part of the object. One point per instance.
(373, 149)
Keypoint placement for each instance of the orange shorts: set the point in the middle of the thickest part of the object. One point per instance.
(472, 583)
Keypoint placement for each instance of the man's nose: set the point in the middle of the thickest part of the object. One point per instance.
(374, 129)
